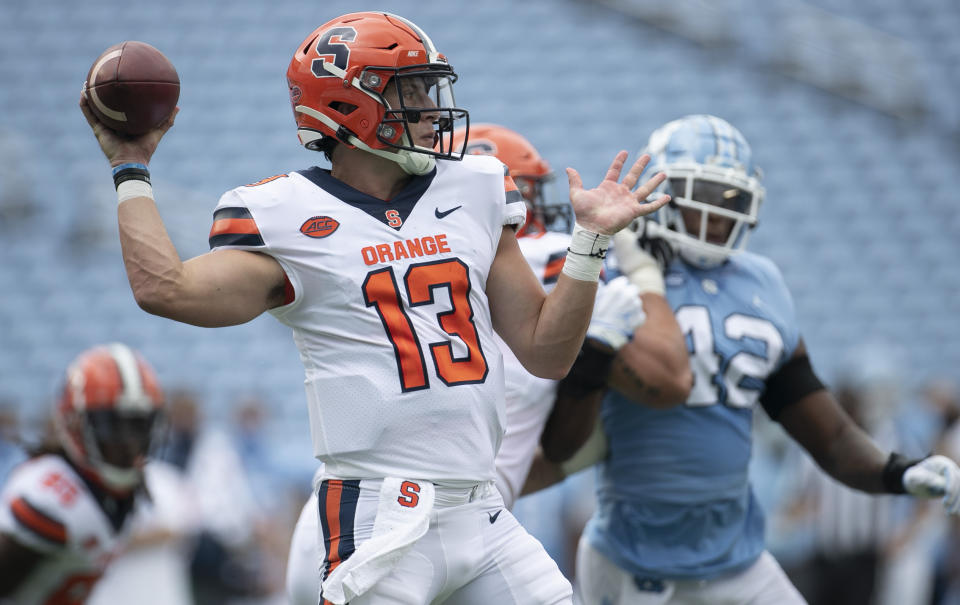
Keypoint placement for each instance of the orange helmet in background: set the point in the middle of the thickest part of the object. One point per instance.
(337, 78)
(528, 169)
(105, 418)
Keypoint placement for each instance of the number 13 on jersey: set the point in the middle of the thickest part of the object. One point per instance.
(381, 291)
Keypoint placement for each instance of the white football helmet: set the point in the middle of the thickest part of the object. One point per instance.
(714, 186)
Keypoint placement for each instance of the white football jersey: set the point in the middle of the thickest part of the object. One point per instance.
(47, 507)
(388, 308)
(529, 399)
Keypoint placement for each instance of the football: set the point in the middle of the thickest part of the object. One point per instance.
(132, 87)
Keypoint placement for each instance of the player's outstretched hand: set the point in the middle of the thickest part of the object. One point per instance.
(617, 312)
(121, 148)
(935, 477)
(612, 204)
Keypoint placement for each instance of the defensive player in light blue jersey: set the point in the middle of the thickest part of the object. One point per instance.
(676, 519)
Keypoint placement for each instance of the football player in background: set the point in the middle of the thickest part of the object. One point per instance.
(63, 512)
(543, 239)
(393, 270)
(676, 520)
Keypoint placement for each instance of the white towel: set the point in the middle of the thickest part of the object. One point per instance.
(395, 530)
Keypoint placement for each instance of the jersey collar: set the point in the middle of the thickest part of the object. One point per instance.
(403, 203)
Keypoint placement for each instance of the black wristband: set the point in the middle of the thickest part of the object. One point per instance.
(893, 470)
(130, 174)
(592, 367)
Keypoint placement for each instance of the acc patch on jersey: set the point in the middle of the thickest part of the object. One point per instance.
(319, 226)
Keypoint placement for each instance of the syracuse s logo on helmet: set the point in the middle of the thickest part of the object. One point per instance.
(328, 48)
(319, 226)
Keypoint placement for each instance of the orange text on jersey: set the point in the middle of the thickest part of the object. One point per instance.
(427, 245)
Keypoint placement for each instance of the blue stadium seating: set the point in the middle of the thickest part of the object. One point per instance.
(861, 212)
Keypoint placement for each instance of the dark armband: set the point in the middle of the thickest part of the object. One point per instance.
(591, 369)
(791, 383)
(132, 180)
(893, 470)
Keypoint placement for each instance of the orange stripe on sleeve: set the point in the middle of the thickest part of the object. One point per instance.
(508, 184)
(234, 225)
(38, 523)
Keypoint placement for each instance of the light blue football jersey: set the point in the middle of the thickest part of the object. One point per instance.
(674, 499)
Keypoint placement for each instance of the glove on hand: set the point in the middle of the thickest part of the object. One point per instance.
(643, 254)
(935, 477)
(617, 312)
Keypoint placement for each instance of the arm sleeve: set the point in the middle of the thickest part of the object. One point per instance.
(234, 225)
(31, 515)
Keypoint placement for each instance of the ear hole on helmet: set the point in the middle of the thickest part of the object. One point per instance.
(343, 108)
(306, 47)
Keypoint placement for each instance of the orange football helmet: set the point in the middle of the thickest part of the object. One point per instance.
(528, 169)
(106, 415)
(338, 76)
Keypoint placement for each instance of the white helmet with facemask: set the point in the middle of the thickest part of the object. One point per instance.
(710, 176)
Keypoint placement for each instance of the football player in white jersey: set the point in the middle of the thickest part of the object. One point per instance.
(544, 239)
(393, 269)
(63, 512)
(676, 520)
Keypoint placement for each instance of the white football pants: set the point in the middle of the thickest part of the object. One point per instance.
(599, 580)
(473, 553)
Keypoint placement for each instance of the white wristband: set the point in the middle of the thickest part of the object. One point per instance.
(585, 254)
(128, 190)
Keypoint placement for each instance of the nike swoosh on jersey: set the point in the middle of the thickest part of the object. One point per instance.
(439, 214)
(494, 516)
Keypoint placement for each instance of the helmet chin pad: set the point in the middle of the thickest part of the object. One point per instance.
(119, 479)
(700, 257)
(413, 162)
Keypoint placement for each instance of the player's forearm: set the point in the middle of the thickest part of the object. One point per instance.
(544, 331)
(840, 447)
(153, 266)
(854, 460)
(571, 421)
(654, 368)
(542, 475)
(560, 328)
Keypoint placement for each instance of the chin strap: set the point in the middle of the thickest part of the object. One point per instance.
(412, 162)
